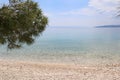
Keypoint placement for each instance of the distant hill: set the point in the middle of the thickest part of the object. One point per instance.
(108, 26)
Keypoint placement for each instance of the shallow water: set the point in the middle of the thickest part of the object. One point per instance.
(71, 45)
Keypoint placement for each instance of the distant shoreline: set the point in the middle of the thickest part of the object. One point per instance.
(108, 26)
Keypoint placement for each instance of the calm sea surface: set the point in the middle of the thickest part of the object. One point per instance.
(71, 45)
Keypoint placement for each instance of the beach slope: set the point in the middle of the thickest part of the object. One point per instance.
(21, 70)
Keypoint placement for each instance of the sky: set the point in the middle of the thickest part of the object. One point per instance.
(79, 12)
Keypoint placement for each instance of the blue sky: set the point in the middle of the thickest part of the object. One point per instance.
(79, 12)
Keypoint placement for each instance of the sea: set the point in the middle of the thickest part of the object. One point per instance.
(76, 45)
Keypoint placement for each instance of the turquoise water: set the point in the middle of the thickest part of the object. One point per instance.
(71, 45)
